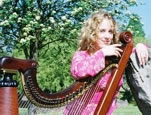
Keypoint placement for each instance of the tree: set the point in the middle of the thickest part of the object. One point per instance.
(31, 25)
(47, 30)
(136, 26)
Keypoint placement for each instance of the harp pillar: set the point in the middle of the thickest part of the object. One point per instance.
(8, 95)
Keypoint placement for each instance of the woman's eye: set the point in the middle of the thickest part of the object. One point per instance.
(111, 31)
(102, 30)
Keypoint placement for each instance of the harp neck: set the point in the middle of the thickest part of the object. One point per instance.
(109, 92)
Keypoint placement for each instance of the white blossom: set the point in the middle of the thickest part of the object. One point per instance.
(132, 0)
(19, 19)
(61, 24)
(41, 25)
(31, 22)
(80, 8)
(63, 18)
(25, 34)
(52, 20)
(44, 29)
(22, 40)
(61, 28)
(4, 22)
(129, 12)
(135, 19)
(76, 10)
(49, 28)
(48, 2)
(1, 2)
(137, 32)
(15, 14)
(69, 0)
(28, 38)
(73, 31)
(132, 16)
(53, 11)
(69, 21)
(129, 29)
(142, 23)
(37, 17)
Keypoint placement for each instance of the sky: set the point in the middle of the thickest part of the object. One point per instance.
(145, 12)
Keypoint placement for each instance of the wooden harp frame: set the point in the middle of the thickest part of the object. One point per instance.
(106, 99)
(28, 70)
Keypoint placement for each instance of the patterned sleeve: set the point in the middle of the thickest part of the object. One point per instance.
(84, 65)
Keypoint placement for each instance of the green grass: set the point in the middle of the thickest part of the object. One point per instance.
(127, 110)
(122, 110)
(23, 111)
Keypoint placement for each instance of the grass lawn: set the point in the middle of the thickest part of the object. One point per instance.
(127, 110)
(121, 110)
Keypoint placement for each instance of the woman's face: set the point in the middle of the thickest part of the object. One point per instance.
(105, 34)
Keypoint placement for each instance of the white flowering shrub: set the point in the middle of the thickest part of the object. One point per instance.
(47, 31)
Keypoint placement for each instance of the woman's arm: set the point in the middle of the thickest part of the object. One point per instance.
(142, 53)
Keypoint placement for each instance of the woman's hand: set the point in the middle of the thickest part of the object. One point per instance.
(112, 50)
(142, 53)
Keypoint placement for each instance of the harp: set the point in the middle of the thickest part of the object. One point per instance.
(27, 68)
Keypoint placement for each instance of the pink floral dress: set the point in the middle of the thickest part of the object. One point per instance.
(84, 65)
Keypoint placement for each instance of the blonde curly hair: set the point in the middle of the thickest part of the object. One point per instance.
(88, 36)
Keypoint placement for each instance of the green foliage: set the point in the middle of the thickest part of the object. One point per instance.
(30, 25)
(47, 30)
(135, 26)
(3, 53)
(140, 40)
(55, 67)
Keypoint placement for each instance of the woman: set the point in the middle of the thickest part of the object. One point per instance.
(98, 39)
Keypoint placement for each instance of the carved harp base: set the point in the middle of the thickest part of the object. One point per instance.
(8, 101)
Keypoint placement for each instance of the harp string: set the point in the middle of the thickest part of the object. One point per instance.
(91, 94)
(88, 97)
(78, 106)
(83, 101)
